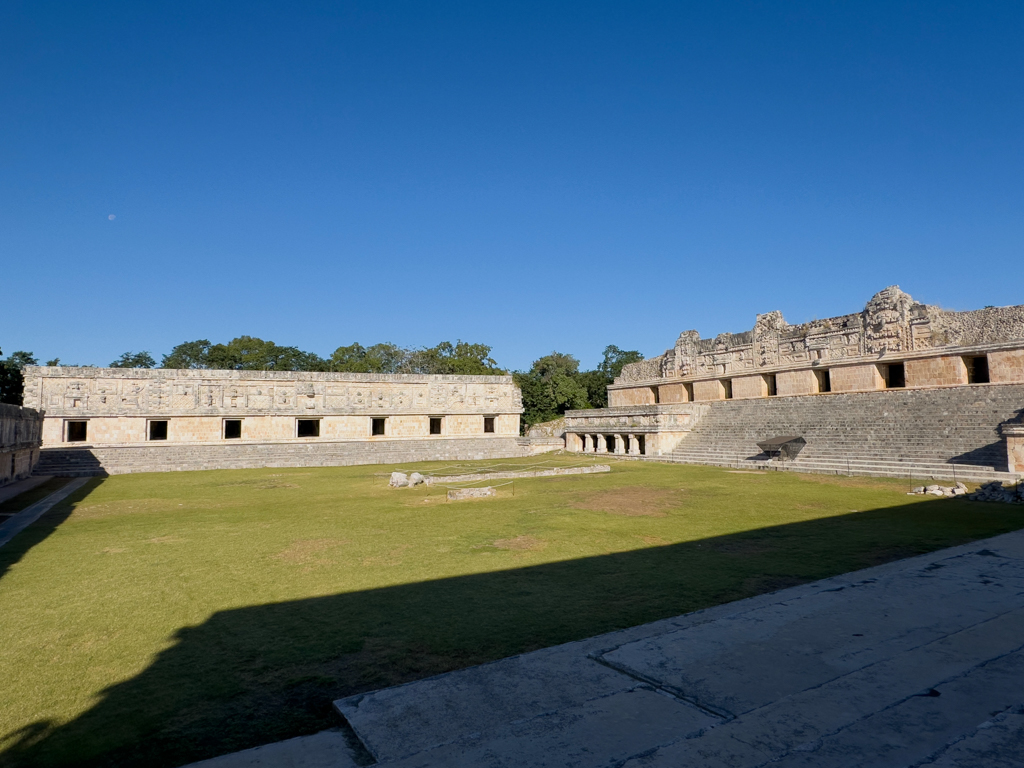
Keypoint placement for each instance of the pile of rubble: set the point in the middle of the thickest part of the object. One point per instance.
(995, 491)
(940, 490)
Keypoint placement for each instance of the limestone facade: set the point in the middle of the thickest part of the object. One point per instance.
(20, 438)
(107, 407)
(895, 342)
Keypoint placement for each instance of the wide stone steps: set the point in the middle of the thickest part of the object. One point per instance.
(942, 434)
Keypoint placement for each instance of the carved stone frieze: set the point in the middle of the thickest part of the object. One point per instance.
(891, 323)
(110, 392)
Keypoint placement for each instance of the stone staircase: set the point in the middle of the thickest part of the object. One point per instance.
(947, 434)
(168, 457)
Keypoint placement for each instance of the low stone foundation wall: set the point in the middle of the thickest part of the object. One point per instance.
(554, 472)
(171, 458)
(20, 436)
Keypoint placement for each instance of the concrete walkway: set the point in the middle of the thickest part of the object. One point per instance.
(20, 486)
(15, 524)
(915, 663)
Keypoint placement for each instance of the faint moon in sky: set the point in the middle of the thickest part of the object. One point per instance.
(111, 217)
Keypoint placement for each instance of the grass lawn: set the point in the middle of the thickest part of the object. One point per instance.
(156, 619)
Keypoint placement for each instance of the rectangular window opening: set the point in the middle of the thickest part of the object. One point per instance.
(824, 380)
(232, 429)
(377, 427)
(977, 369)
(654, 394)
(727, 388)
(307, 428)
(488, 424)
(772, 384)
(158, 430)
(435, 425)
(78, 431)
(688, 388)
(896, 377)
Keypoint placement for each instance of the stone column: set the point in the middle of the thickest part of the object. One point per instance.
(601, 446)
(1014, 435)
(588, 444)
(620, 443)
(634, 446)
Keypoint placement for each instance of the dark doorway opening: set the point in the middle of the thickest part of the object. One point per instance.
(232, 429)
(377, 427)
(308, 428)
(977, 369)
(824, 380)
(896, 377)
(158, 430)
(435, 425)
(488, 424)
(78, 431)
(727, 388)
(770, 381)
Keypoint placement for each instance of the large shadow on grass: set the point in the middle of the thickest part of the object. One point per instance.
(16, 549)
(259, 674)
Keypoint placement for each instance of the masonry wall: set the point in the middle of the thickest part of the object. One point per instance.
(673, 393)
(124, 459)
(117, 406)
(791, 383)
(708, 390)
(936, 372)
(631, 396)
(1006, 366)
(744, 387)
(20, 440)
(856, 378)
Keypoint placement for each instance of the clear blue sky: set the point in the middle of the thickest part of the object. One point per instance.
(538, 177)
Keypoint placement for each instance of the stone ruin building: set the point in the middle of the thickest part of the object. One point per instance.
(20, 435)
(899, 388)
(117, 420)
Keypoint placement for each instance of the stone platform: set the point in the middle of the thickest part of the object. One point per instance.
(917, 662)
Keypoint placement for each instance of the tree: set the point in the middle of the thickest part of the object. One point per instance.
(461, 358)
(244, 353)
(551, 387)
(12, 382)
(350, 359)
(190, 354)
(385, 358)
(134, 360)
(615, 359)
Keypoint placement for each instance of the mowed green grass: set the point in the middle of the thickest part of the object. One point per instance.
(161, 618)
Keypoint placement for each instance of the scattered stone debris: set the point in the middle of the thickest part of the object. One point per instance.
(992, 491)
(996, 491)
(402, 480)
(457, 494)
(940, 490)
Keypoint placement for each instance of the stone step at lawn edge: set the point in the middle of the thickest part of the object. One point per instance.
(97, 461)
(879, 471)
